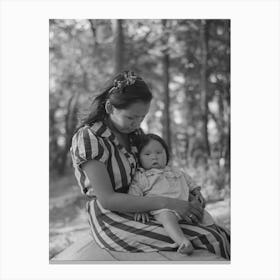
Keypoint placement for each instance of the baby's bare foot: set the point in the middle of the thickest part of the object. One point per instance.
(185, 248)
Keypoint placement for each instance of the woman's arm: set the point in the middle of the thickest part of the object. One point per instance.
(111, 200)
(114, 201)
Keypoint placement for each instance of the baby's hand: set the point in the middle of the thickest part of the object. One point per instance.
(141, 217)
(191, 197)
(196, 194)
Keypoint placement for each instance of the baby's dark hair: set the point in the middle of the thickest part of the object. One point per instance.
(146, 138)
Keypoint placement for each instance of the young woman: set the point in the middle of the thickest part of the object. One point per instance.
(104, 157)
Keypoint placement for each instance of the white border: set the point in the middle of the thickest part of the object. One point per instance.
(24, 137)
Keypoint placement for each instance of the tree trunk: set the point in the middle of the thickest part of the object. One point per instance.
(70, 125)
(166, 78)
(54, 149)
(119, 45)
(93, 31)
(204, 99)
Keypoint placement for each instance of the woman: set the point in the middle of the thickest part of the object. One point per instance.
(104, 157)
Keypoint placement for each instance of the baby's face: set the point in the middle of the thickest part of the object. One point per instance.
(153, 155)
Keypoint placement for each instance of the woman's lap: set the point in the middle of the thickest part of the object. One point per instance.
(119, 232)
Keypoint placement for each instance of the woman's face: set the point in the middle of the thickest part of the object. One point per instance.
(153, 155)
(129, 119)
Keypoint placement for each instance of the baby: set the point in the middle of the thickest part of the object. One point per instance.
(155, 178)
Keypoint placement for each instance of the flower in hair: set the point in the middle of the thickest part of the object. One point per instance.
(129, 79)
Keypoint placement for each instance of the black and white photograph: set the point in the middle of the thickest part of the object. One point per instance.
(139, 139)
(140, 158)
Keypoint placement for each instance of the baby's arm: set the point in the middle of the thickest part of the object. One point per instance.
(136, 188)
(196, 194)
(137, 185)
(194, 190)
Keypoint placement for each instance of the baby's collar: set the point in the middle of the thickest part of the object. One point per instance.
(154, 170)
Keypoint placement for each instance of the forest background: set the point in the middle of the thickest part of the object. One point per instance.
(186, 63)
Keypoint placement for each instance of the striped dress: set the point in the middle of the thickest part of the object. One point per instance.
(118, 231)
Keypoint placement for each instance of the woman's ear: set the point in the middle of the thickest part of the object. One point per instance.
(108, 107)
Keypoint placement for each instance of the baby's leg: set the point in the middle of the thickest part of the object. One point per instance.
(170, 223)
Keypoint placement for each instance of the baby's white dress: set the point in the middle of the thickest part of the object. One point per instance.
(169, 182)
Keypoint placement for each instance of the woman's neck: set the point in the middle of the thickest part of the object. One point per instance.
(122, 137)
(111, 125)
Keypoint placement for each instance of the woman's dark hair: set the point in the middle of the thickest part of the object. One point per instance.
(122, 91)
(146, 138)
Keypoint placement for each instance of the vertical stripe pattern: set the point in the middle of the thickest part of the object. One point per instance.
(138, 237)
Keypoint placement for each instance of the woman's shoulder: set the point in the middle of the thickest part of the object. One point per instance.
(82, 135)
(97, 129)
(87, 144)
(88, 136)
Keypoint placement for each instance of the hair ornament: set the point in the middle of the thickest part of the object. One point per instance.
(129, 78)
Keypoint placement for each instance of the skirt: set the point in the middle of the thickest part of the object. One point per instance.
(119, 232)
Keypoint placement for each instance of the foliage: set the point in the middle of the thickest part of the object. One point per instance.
(81, 59)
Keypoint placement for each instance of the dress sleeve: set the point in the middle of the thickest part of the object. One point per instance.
(138, 184)
(87, 146)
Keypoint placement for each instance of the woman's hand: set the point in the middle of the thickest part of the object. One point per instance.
(191, 211)
(142, 217)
